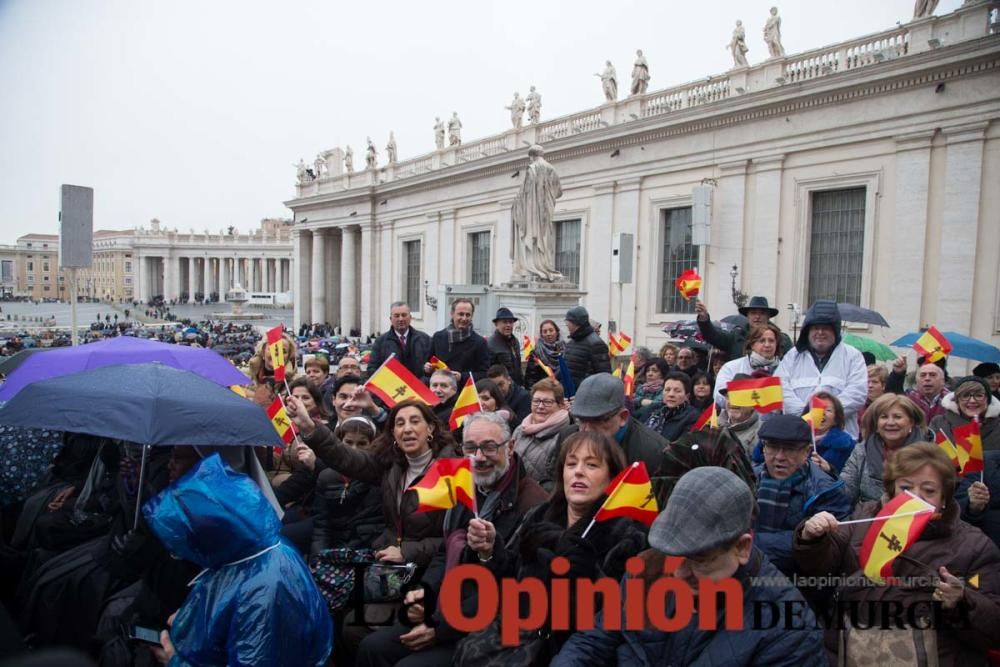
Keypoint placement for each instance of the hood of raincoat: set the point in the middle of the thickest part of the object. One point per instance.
(822, 312)
(212, 516)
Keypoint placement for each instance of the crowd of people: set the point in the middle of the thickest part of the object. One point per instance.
(320, 553)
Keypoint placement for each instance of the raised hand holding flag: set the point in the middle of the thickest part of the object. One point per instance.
(688, 284)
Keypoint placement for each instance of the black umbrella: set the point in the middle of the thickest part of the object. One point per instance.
(851, 313)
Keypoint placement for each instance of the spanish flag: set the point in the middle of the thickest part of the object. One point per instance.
(932, 345)
(969, 447)
(239, 390)
(527, 347)
(709, 418)
(618, 344)
(447, 483)
(629, 379)
(630, 494)
(762, 394)
(437, 364)
(466, 403)
(617, 372)
(817, 410)
(896, 527)
(276, 349)
(948, 446)
(394, 383)
(624, 339)
(548, 371)
(688, 284)
(279, 418)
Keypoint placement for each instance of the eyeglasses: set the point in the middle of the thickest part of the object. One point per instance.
(786, 447)
(547, 402)
(487, 448)
(975, 396)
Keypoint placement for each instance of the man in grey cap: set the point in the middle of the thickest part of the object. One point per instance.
(791, 488)
(585, 352)
(599, 405)
(707, 525)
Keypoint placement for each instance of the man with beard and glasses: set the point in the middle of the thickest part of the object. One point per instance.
(504, 493)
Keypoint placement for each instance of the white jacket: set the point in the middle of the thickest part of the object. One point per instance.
(845, 376)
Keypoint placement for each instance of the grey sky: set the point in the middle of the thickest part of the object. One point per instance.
(194, 112)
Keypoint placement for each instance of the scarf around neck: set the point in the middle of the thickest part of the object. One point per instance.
(757, 362)
(456, 335)
(775, 501)
(549, 353)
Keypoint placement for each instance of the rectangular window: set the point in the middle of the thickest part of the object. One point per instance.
(45, 266)
(568, 249)
(411, 274)
(128, 281)
(836, 245)
(31, 266)
(7, 270)
(678, 255)
(128, 267)
(479, 254)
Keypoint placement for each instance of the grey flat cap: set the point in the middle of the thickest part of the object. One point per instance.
(598, 395)
(709, 508)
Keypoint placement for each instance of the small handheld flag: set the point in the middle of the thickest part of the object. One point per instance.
(817, 410)
(761, 394)
(527, 347)
(614, 346)
(629, 379)
(279, 419)
(466, 403)
(617, 372)
(276, 349)
(932, 345)
(545, 367)
(630, 494)
(895, 528)
(688, 284)
(969, 447)
(437, 364)
(709, 418)
(393, 383)
(942, 441)
(447, 483)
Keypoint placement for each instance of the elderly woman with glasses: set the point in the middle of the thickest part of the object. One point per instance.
(979, 493)
(536, 439)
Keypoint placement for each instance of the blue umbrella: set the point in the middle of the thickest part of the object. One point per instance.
(121, 350)
(963, 346)
(151, 404)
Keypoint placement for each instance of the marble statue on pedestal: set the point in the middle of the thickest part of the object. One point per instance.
(371, 156)
(516, 109)
(924, 8)
(534, 101)
(772, 34)
(738, 46)
(438, 133)
(349, 160)
(534, 234)
(640, 74)
(302, 172)
(390, 148)
(454, 130)
(609, 82)
(319, 165)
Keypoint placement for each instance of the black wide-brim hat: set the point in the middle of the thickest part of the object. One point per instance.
(504, 314)
(758, 303)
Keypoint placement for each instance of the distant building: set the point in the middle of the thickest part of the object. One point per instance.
(139, 264)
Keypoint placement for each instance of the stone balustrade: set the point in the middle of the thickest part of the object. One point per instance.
(973, 20)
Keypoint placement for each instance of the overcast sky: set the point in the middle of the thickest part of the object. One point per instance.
(195, 112)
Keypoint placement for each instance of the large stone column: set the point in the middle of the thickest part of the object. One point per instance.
(253, 274)
(348, 282)
(963, 177)
(367, 278)
(206, 277)
(332, 276)
(223, 278)
(728, 209)
(595, 273)
(191, 279)
(175, 282)
(909, 235)
(302, 247)
(318, 272)
(767, 217)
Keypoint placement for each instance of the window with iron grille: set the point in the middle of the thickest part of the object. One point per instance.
(479, 254)
(836, 245)
(568, 249)
(411, 275)
(677, 256)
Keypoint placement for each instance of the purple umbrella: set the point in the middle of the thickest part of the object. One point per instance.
(122, 350)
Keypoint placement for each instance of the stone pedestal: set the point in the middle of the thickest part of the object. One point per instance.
(532, 302)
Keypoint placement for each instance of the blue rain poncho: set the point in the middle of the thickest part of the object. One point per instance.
(255, 603)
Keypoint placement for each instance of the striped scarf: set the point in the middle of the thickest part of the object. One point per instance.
(776, 503)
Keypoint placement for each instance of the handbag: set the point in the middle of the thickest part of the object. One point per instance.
(484, 649)
(334, 573)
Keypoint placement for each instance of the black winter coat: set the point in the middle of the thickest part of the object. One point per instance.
(586, 354)
(471, 355)
(507, 353)
(348, 513)
(418, 351)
